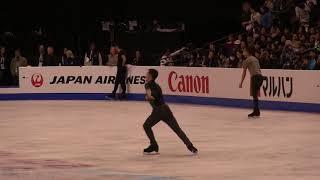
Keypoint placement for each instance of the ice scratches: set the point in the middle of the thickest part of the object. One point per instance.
(13, 162)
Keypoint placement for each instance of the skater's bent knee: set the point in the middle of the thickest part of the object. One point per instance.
(146, 126)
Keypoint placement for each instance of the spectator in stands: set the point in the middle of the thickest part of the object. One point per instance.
(255, 18)
(38, 60)
(264, 59)
(275, 33)
(51, 59)
(64, 56)
(243, 45)
(239, 56)
(318, 63)
(17, 61)
(138, 59)
(304, 65)
(92, 57)
(303, 13)
(224, 61)
(71, 59)
(312, 63)
(212, 48)
(276, 51)
(192, 59)
(165, 58)
(269, 4)
(283, 40)
(233, 61)
(229, 46)
(198, 60)
(266, 18)
(4, 67)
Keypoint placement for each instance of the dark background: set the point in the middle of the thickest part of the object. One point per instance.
(74, 23)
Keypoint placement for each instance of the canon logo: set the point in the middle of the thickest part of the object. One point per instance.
(188, 83)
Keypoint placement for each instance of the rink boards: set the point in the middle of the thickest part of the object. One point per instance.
(284, 89)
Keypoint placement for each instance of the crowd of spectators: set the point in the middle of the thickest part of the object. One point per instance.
(278, 44)
(47, 56)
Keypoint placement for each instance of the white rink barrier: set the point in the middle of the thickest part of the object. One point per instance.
(284, 89)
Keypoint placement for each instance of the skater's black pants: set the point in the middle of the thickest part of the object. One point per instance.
(163, 113)
(256, 83)
(120, 79)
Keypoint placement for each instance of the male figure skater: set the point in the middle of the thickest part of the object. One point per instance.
(160, 111)
(252, 64)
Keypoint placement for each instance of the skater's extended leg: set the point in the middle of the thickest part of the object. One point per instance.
(173, 124)
(147, 126)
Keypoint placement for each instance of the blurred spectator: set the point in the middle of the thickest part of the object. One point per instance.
(255, 18)
(240, 58)
(51, 59)
(318, 63)
(166, 58)
(224, 61)
(4, 67)
(113, 57)
(303, 13)
(17, 61)
(92, 57)
(71, 59)
(229, 46)
(304, 65)
(38, 60)
(233, 61)
(138, 59)
(269, 4)
(266, 18)
(312, 63)
(64, 56)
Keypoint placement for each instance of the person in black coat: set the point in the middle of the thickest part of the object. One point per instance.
(5, 62)
(38, 59)
(51, 59)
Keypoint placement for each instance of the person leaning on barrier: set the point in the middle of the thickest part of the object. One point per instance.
(118, 58)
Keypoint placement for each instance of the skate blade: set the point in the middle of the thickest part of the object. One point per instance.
(109, 98)
(254, 117)
(194, 153)
(151, 153)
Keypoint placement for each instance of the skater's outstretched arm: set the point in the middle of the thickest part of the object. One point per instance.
(244, 73)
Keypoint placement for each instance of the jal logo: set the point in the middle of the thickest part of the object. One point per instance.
(37, 80)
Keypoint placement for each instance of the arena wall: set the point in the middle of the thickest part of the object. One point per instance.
(284, 89)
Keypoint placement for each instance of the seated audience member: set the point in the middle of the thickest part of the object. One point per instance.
(38, 60)
(71, 59)
(17, 61)
(4, 67)
(138, 59)
(51, 59)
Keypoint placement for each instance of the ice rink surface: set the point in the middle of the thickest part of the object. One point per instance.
(93, 140)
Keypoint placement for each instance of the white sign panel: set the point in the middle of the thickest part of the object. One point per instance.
(281, 85)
